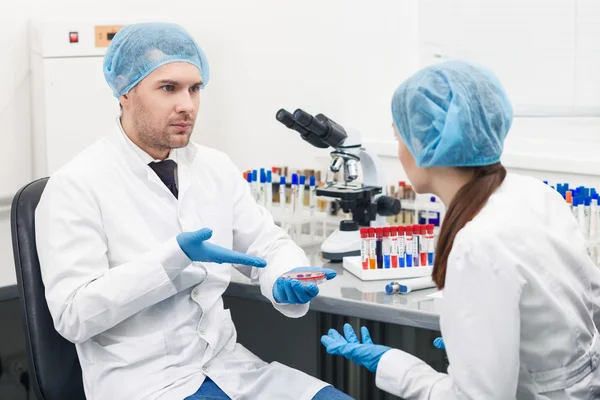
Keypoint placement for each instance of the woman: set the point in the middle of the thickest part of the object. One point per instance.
(521, 296)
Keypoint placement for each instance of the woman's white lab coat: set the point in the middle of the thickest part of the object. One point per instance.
(520, 311)
(147, 323)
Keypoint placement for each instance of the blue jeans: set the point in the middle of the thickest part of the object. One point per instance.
(210, 391)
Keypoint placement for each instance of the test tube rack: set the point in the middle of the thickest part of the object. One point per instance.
(354, 266)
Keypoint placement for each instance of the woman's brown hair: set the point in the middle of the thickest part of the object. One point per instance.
(465, 205)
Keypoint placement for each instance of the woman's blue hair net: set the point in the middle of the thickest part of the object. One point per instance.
(138, 49)
(452, 114)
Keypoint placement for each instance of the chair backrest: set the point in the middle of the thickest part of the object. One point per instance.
(54, 368)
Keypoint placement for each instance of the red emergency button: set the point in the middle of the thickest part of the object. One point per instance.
(73, 37)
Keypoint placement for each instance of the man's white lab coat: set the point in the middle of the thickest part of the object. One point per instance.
(147, 322)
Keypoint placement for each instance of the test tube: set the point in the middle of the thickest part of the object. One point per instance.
(294, 195)
(423, 245)
(282, 201)
(379, 247)
(387, 248)
(586, 216)
(593, 215)
(408, 246)
(301, 188)
(401, 247)
(430, 244)
(401, 191)
(392, 288)
(574, 208)
(269, 189)
(250, 185)
(394, 252)
(275, 174)
(372, 249)
(416, 245)
(255, 178)
(262, 195)
(581, 214)
(364, 247)
(312, 195)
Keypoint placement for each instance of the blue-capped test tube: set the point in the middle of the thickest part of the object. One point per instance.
(294, 194)
(282, 199)
(262, 195)
(269, 190)
(392, 288)
(574, 207)
(312, 195)
(249, 180)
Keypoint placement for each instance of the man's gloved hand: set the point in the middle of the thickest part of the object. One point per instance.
(292, 291)
(439, 343)
(365, 354)
(195, 246)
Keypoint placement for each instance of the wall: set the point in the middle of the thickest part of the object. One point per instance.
(344, 58)
(332, 57)
(544, 51)
(323, 56)
(547, 56)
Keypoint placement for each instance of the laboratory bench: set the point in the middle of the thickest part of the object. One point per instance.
(409, 322)
(349, 296)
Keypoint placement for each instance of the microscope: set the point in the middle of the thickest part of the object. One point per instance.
(366, 202)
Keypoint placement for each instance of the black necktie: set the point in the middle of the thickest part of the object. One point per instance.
(166, 172)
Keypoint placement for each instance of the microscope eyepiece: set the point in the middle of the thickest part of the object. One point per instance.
(302, 117)
(288, 120)
(319, 130)
(285, 118)
(311, 123)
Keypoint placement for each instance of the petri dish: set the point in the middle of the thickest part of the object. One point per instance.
(306, 277)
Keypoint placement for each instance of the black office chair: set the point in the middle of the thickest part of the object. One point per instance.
(54, 369)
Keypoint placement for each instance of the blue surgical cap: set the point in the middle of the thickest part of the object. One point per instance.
(138, 49)
(452, 114)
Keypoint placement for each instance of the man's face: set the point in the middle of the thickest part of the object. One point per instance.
(162, 108)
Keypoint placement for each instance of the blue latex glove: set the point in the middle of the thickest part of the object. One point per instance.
(439, 343)
(196, 247)
(292, 291)
(365, 354)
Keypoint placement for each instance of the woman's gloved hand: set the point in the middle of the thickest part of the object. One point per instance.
(195, 246)
(365, 354)
(292, 291)
(439, 343)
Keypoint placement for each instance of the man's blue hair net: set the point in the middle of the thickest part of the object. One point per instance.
(138, 49)
(452, 114)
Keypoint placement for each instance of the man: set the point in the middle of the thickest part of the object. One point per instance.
(133, 274)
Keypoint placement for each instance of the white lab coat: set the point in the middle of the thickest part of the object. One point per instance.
(520, 310)
(148, 323)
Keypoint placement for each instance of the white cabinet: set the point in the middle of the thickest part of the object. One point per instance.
(545, 52)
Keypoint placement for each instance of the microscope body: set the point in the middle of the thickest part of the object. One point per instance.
(365, 202)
